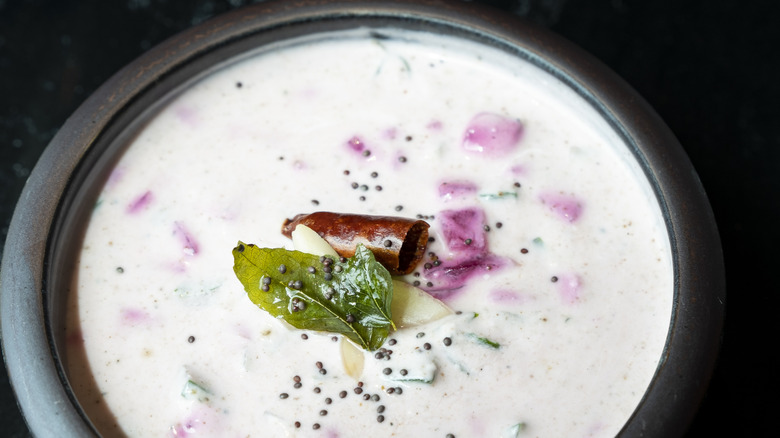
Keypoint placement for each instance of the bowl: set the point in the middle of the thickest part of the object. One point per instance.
(48, 223)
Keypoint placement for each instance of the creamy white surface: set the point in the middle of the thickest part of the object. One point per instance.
(223, 163)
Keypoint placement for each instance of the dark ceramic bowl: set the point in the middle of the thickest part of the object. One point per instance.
(61, 190)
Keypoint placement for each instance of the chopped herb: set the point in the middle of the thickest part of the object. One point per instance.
(194, 391)
(514, 431)
(498, 195)
(484, 341)
(359, 309)
(425, 376)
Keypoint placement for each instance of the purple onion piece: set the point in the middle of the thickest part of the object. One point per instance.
(492, 134)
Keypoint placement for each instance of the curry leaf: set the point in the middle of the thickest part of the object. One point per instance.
(319, 293)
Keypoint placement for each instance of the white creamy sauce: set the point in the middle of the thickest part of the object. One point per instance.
(561, 337)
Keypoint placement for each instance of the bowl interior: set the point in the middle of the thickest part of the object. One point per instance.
(84, 152)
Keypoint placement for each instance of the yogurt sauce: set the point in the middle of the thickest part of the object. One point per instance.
(563, 284)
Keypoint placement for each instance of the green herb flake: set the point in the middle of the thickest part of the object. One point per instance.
(194, 391)
(498, 195)
(513, 431)
(484, 341)
(354, 302)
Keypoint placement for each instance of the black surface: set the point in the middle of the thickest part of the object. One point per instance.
(710, 69)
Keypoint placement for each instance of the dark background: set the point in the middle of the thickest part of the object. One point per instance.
(709, 68)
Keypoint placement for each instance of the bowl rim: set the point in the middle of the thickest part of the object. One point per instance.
(29, 344)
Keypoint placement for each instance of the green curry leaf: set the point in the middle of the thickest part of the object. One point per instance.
(352, 299)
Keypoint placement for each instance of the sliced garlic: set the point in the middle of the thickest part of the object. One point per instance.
(353, 359)
(306, 240)
(413, 306)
